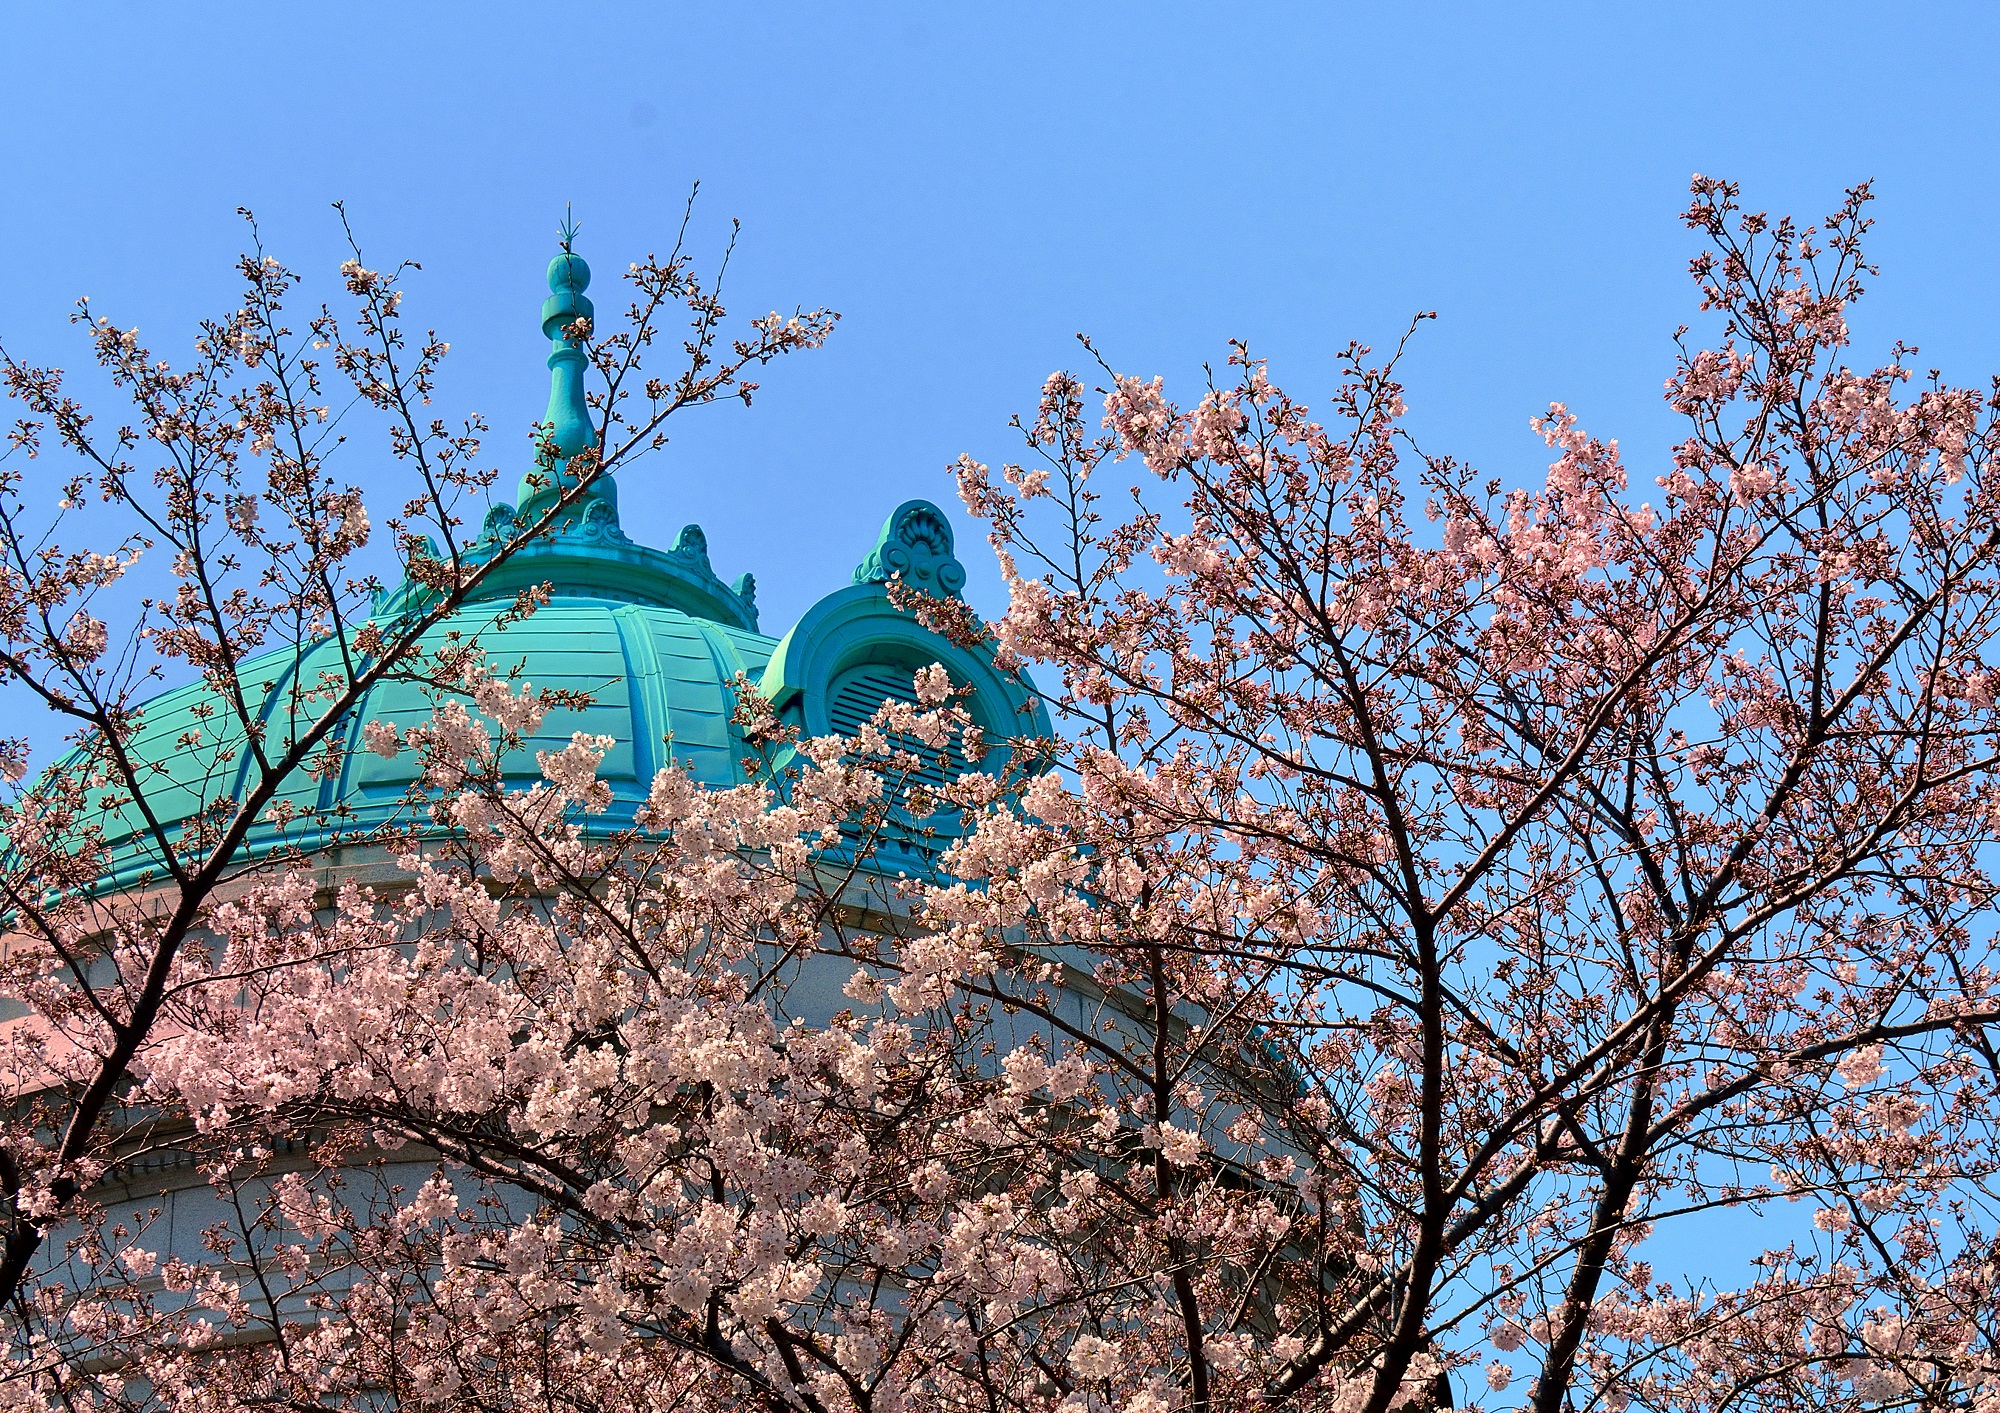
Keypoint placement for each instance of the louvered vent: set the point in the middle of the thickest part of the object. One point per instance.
(859, 694)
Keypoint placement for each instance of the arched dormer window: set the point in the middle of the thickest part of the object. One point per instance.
(855, 648)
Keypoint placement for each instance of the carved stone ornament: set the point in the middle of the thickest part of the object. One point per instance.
(915, 545)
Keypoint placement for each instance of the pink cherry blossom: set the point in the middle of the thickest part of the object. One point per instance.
(1443, 886)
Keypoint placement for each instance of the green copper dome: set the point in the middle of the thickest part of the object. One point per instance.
(654, 638)
(658, 679)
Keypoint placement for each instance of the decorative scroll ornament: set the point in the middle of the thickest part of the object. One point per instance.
(692, 544)
(915, 546)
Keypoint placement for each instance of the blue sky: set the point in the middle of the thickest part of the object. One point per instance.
(973, 185)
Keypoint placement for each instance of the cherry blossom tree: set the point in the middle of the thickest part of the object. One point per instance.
(222, 499)
(1422, 918)
(1589, 863)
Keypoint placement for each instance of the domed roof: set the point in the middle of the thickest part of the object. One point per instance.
(654, 639)
(658, 679)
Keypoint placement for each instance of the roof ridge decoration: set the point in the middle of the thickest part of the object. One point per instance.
(915, 544)
(566, 431)
(585, 551)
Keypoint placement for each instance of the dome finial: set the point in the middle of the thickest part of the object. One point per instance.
(566, 321)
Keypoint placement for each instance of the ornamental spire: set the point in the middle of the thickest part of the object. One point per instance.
(567, 429)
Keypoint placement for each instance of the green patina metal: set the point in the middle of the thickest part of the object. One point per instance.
(655, 638)
(566, 431)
